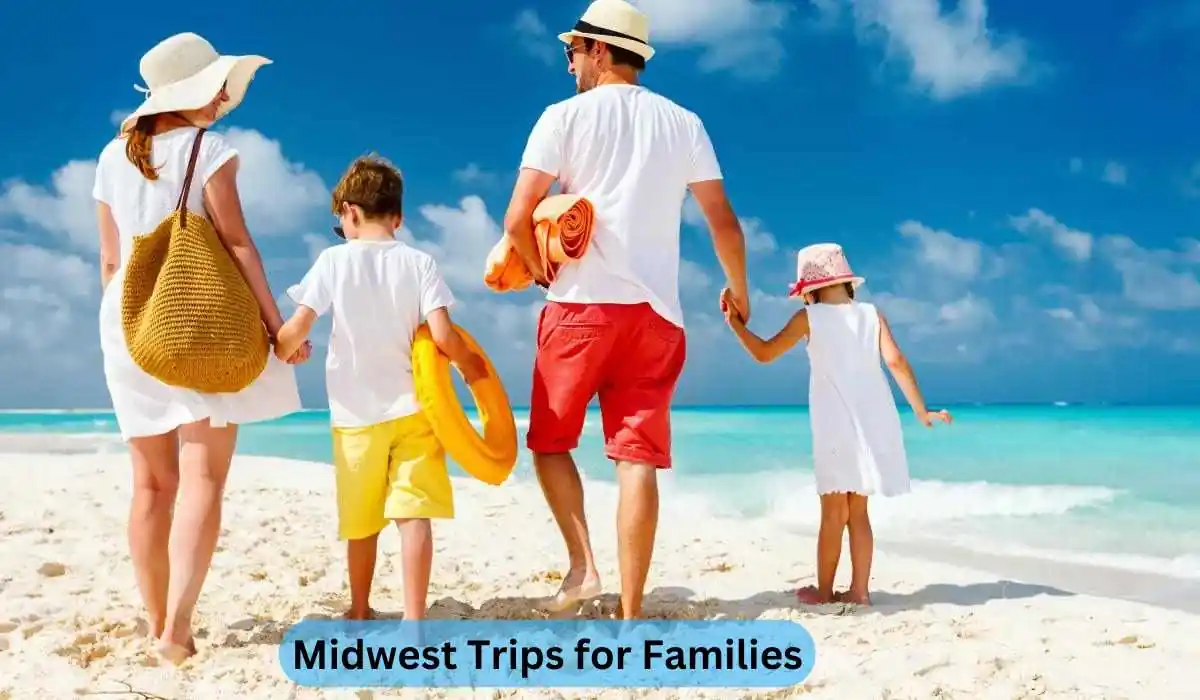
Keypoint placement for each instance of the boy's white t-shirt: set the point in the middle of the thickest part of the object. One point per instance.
(633, 153)
(379, 293)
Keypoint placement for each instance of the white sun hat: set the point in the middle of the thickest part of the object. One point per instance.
(614, 22)
(822, 265)
(185, 72)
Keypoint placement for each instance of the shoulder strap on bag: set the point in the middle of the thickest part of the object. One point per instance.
(187, 179)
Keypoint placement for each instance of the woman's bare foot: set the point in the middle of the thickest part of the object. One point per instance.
(176, 653)
(810, 595)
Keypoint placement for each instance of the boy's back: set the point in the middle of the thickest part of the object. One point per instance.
(379, 293)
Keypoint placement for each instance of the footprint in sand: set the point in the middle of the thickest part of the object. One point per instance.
(84, 649)
(52, 569)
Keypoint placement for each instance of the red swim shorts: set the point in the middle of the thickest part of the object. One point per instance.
(626, 353)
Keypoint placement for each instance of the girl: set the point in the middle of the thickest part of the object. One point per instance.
(858, 448)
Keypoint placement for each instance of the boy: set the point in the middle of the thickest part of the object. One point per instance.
(389, 465)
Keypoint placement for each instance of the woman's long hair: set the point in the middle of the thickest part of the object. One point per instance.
(139, 145)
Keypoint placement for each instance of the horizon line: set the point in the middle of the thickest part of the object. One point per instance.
(732, 406)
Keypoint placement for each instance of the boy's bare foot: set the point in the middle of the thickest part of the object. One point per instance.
(352, 614)
(809, 595)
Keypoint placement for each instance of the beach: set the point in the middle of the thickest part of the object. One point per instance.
(70, 625)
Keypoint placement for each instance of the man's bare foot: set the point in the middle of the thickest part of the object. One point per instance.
(809, 595)
(577, 586)
(853, 597)
(352, 614)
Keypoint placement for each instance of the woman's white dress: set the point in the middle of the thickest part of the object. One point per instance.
(858, 445)
(144, 406)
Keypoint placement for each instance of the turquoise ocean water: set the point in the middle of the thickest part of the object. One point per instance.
(1116, 486)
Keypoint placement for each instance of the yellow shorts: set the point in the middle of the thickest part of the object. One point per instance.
(389, 471)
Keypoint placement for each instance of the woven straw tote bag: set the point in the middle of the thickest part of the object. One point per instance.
(189, 318)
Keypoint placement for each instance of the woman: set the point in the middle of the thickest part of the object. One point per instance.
(179, 440)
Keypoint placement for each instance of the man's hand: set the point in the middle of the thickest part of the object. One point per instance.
(473, 369)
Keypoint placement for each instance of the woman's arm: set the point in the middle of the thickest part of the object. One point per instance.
(225, 208)
(110, 244)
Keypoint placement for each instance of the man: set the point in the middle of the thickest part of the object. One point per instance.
(612, 324)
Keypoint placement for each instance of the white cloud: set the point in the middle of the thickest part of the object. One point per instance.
(463, 236)
(534, 38)
(118, 115)
(1074, 243)
(1115, 173)
(65, 208)
(473, 174)
(758, 238)
(949, 54)
(1153, 279)
(740, 36)
(278, 196)
(943, 250)
(1112, 172)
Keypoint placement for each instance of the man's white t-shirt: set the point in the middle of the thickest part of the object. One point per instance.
(633, 154)
(379, 292)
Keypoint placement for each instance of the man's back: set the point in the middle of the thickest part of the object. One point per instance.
(633, 153)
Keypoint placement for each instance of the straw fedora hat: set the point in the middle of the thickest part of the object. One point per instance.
(185, 72)
(614, 22)
(822, 265)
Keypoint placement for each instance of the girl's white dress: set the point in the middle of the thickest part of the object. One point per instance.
(144, 406)
(858, 446)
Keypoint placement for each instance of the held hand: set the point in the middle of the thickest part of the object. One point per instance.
(740, 304)
(729, 307)
(927, 418)
(302, 354)
(474, 369)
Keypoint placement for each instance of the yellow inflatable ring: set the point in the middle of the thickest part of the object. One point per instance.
(489, 457)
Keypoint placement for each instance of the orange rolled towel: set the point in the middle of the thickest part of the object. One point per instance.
(562, 229)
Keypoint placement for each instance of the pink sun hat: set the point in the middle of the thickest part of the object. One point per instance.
(822, 265)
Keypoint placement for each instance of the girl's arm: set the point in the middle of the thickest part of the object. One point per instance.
(110, 244)
(767, 351)
(902, 372)
(225, 207)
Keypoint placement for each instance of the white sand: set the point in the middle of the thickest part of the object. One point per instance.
(69, 612)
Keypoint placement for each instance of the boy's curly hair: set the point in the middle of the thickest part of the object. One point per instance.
(372, 183)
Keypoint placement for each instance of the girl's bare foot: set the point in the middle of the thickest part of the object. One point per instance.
(853, 597)
(810, 595)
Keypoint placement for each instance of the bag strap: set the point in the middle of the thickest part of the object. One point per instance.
(187, 179)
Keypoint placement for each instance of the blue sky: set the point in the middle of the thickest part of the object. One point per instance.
(1019, 182)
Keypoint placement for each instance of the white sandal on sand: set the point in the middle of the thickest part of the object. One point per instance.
(565, 599)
